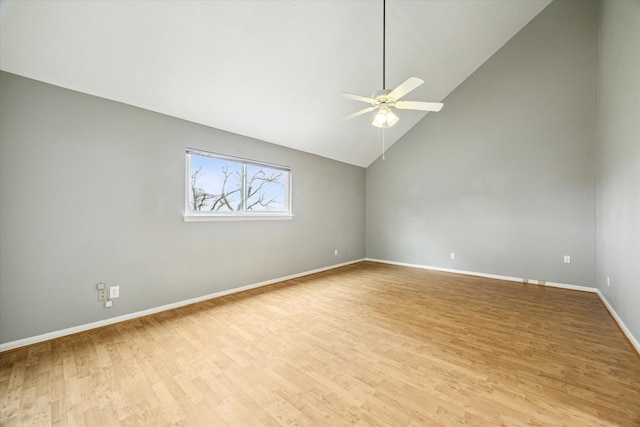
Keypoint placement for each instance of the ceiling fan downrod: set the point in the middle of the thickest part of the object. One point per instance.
(384, 43)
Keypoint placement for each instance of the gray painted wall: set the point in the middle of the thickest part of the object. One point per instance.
(504, 175)
(93, 191)
(619, 160)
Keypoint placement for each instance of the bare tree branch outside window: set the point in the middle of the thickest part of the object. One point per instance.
(219, 185)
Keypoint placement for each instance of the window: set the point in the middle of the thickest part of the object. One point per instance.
(224, 187)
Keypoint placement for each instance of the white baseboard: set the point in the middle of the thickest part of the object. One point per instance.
(490, 276)
(620, 323)
(81, 328)
(617, 318)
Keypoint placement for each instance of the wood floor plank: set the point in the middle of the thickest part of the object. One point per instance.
(364, 345)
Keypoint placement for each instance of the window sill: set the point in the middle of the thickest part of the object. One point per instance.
(252, 217)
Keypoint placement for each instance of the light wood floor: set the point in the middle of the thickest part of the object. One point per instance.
(367, 344)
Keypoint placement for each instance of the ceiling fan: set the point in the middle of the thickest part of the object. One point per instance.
(384, 99)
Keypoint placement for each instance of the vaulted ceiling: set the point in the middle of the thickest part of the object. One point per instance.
(270, 70)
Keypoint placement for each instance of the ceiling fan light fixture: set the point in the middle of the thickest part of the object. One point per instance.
(392, 119)
(381, 117)
(384, 118)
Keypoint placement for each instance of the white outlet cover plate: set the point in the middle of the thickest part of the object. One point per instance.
(114, 292)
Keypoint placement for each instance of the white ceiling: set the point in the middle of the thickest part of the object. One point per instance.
(266, 69)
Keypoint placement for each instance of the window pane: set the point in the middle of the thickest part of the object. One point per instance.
(215, 184)
(219, 185)
(266, 189)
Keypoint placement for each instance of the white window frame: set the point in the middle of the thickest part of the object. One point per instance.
(193, 216)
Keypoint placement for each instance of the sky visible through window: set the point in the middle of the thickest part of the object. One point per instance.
(221, 185)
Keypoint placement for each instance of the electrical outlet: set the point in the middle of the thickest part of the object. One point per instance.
(335, 252)
(567, 259)
(608, 282)
(108, 304)
(452, 255)
(102, 293)
(114, 292)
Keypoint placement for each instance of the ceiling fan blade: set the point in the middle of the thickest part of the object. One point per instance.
(410, 84)
(415, 105)
(358, 97)
(358, 113)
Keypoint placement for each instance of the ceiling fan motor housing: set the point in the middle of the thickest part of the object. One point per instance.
(382, 97)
